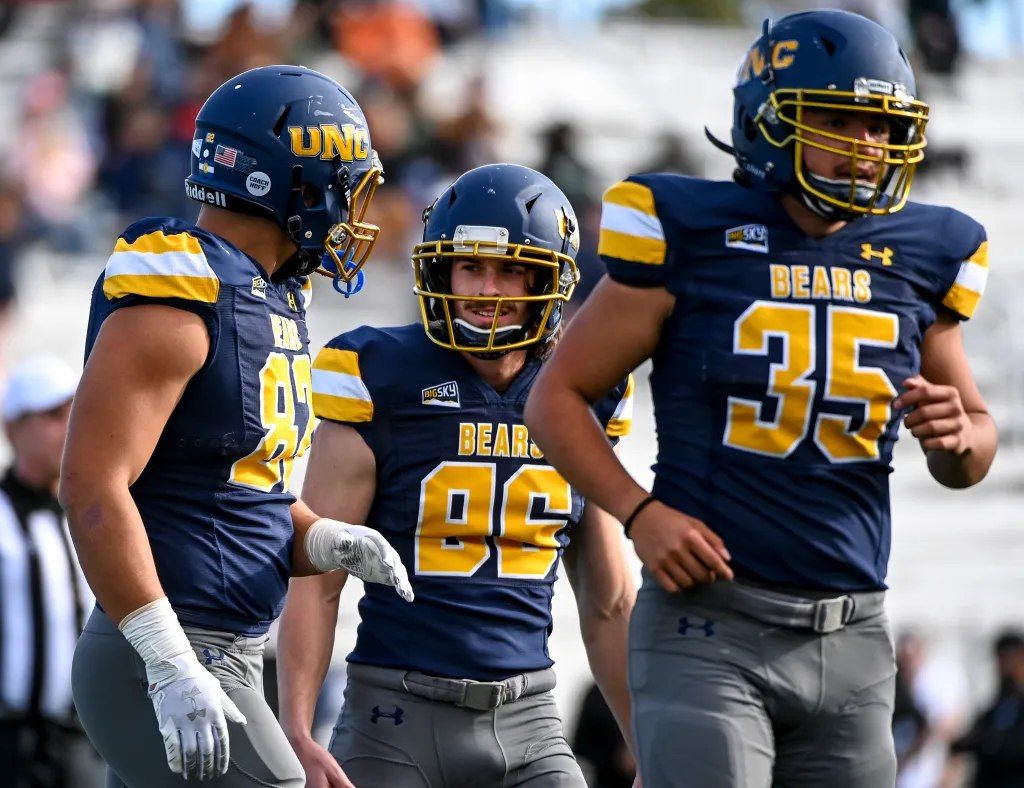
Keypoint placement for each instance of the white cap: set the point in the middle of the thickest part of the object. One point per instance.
(37, 385)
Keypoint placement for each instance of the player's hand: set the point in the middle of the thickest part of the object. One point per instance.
(679, 550)
(937, 417)
(322, 771)
(191, 711)
(361, 551)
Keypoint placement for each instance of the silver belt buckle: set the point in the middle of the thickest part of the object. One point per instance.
(483, 695)
(831, 615)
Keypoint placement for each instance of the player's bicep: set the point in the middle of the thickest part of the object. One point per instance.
(944, 361)
(143, 359)
(341, 477)
(617, 328)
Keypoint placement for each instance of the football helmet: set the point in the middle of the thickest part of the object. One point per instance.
(827, 60)
(503, 210)
(292, 145)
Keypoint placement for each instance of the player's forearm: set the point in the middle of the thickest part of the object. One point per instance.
(304, 647)
(964, 470)
(605, 639)
(302, 520)
(112, 544)
(563, 425)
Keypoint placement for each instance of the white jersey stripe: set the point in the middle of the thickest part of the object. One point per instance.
(630, 221)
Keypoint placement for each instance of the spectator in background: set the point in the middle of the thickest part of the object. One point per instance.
(564, 165)
(672, 155)
(996, 739)
(909, 724)
(936, 37)
(599, 747)
(43, 596)
(61, 162)
(14, 235)
(938, 690)
(387, 40)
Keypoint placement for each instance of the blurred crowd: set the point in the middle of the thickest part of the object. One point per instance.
(103, 129)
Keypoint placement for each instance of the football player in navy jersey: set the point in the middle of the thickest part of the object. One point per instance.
(194, 403)
(794, 318)
(422, 437)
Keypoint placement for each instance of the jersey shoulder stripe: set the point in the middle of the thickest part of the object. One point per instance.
(339, 393)
(969, 285)
(160, 265)
(630, 227)
(306, 291)
(621, 422)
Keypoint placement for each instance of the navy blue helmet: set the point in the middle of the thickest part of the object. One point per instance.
(290, 144)
(827, 61)
(501, 210)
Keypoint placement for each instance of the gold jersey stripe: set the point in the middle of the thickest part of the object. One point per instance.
(189, 288)
(621, 422)
(631, 195)
(618, 428)
(631, 248)
(962, 300)
(980, 257)
(334, 360)
(158, 243)
(350, 409)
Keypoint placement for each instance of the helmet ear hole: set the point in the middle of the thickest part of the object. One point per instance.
(311, 195)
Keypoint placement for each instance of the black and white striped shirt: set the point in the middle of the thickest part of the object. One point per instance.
(44, 599)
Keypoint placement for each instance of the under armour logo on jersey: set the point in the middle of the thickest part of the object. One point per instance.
(395, 715)
(708, 627)
(868, 252)
(212, 655)
(445, 395)
(191, 696)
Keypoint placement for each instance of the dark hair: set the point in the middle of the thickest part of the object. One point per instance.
(1008, 640)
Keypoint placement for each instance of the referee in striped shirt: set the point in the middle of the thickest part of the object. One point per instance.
(43, 595)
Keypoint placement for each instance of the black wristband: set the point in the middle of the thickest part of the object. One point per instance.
(633, 515)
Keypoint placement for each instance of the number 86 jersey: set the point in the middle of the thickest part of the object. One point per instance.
(214, 495)
(464, 495)
(775, 373)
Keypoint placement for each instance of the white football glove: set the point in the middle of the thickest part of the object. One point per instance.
(190, 704)
(331, 544)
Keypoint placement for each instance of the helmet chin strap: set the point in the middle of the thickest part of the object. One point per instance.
(840, 189)
(478, 337)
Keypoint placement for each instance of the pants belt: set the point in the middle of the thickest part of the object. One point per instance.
(792, 610)
(465, 693)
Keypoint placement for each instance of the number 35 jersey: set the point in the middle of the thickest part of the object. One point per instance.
(464, 495)
(214, 496)
(775, 374)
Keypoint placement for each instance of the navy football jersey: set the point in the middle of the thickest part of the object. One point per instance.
(464, 495)
(775, 373)
(214, 496)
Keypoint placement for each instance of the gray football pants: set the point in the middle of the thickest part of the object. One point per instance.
(388, 737)
(109, 683)
(723, 698)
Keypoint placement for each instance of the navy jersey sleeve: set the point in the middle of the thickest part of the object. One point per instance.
(965, 265)
(155, 261)
(615, 410)
(632, 242)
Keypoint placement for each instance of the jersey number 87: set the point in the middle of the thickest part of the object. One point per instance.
(282, 384)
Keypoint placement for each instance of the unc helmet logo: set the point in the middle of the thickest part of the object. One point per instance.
(303, 159)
